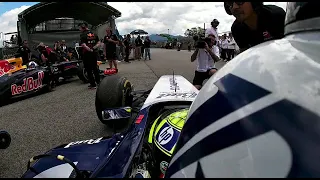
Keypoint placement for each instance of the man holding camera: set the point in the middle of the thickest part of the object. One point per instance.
(206, 57)
(89, 43)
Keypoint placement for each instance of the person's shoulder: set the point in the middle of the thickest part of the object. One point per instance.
(237, 28)
(236, 25)
(273, 10)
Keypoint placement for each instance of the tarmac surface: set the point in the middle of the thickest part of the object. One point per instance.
(67, 114)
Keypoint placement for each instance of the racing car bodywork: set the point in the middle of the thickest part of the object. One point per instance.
(17, 80)
(119, 155)
(11, 65)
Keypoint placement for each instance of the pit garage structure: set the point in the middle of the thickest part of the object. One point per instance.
(48, 22)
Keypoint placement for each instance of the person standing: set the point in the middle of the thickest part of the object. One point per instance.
(111, 41)
(126, 44)
(147, 44)
(213, 29)
(142, 47)
(224, 47)
(138, 43)
(231, 47)
(24, 52)
(90, 42)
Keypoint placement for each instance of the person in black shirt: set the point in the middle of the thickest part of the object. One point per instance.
(138, 43)
(89, 43)
(24, 52)
(126, 44)
(255, 23)
(142, 47)
(147, 44)
(110, 41)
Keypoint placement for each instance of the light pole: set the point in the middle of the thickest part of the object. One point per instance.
(168, 31)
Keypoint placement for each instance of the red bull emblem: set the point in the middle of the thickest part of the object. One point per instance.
(29, 84)
(4, 67)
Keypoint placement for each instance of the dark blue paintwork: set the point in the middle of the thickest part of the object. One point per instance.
(95, 157)
(118, 164)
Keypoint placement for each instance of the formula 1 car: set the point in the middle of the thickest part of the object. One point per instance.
(18, 80)
(143, 149)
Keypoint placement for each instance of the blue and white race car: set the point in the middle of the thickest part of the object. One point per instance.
(156, 118)
(258, 116)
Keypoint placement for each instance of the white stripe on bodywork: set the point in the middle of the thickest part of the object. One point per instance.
(264, 156)
(226, 121)
(60, 171)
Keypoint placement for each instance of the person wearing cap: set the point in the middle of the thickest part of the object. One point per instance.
(255, 23)
(89, 42)
(213, 29)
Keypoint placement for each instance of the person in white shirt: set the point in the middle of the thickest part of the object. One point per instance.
(215, 49)
(213, 29)
(231, 47)
(205, 62)
(224, 47)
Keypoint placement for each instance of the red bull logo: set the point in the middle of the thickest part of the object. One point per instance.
(29, 84)
(4, 67)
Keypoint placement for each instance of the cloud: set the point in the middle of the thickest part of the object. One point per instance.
(8, 20)
(154, 17)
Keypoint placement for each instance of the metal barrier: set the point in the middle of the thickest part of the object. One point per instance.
(9, 52)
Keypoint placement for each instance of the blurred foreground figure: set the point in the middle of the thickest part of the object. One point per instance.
(258, 116)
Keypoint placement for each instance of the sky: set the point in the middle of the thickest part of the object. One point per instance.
(153, 17)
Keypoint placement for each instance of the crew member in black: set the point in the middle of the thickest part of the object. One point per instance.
(255, 23)
(110, 41)
(89, 43)
(24, 52)
(126, 44)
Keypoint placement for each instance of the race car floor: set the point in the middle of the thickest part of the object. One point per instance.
(67, 114)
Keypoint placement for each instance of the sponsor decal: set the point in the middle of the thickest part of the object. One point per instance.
(266, 35)
(177, 94)
(163, 166)
(165, 135)
(173, 84)
(89, 141)
(70, 66)
(29, 84)
(4, 67)
(112, 114)
(2, 72)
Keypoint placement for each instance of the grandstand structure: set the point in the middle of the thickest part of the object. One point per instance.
(48, 22)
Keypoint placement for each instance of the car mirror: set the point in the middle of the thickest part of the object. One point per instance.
(116, 113)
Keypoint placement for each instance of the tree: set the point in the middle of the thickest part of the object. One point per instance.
(195, 31)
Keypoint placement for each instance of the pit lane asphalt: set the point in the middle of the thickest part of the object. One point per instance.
(67, 114)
